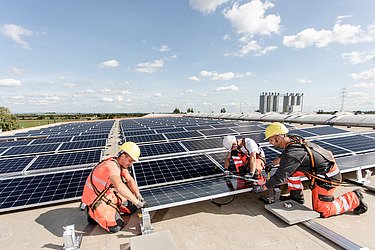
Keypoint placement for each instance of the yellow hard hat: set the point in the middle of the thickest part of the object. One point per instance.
(131, 149)
(275, 128)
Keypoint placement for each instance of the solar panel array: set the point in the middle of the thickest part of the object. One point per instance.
(162, 160)
(50, 164)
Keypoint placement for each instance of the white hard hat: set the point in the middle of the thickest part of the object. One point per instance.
(228, 141)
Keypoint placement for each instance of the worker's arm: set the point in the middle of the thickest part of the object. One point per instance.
(122, 189)
(276, 161)
(227, 160)
(130, 182)
(252, 162)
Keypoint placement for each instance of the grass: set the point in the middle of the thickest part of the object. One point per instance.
(35, 123)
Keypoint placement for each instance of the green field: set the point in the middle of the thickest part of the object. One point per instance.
(35, 123)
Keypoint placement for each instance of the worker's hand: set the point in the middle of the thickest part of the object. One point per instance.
(227, 173)
(140, 197)
(141, 204)
(268, 167)
(258, 189)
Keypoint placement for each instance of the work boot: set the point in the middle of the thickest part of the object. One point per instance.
(296, 195)
(362, 207)
(90, 220)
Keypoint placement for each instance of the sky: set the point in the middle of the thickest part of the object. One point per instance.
(92, 56)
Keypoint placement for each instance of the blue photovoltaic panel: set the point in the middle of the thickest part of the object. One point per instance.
(174, 169)
(169, 130)
(51, 140)
(161, 149)
(181, 193)
(2, 150)
(224, 125)
(354, 161)
(145, 138)
(90, 137)
(83, 144)
(327, 130)
(220, 157)
(67, 159)
(247, 129)
(202, 144)
(218, 131)
(371, 135)
(11, 165)
(336, 151)
(41, 189)
(270, 154)
(257, 137)
(34, 149)
(356, 143)
(202, 127)
(301, 132)
(181, 135)
(14, 143)
(139, 132)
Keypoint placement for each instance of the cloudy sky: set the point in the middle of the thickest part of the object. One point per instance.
(154, 56)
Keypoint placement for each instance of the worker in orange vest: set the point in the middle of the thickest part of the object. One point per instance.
(110, 190)
(303, 158)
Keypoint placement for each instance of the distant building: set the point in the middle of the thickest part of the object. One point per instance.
(281, 103)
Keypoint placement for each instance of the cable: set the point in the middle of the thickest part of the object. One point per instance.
(225, 203)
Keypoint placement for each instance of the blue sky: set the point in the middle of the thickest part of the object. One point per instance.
(154, 56)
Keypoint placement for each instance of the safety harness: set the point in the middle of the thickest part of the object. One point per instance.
(313, 176)
(100, 195)
(258, 154)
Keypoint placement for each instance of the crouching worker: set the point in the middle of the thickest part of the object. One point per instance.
(111, 190)
(248, 157)
(303, 158)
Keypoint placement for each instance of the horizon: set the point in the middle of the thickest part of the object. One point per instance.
(152, 57)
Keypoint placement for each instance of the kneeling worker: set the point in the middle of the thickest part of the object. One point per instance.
(303, 158)
(111, 190)
(247, 155)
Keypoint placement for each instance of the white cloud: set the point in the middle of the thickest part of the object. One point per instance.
(231, 104)
(15, 71)
(125, 92)
(250, 18)
(15, 32)
(105, 90)
(157, 94)
(149, 67)
(304, 80)
(10, 82)
(17, 97)
(365, 85)
(119, 98)
(106, 99)
(226, 37)
(189, 91)
(342, 34)
(69, 85)
(165, 48)
(215, 76)
(194, 78)
(343, 17)
(206, 6)
(89, 91)
(109, 64)
(252, 46)
(228, 88)
(202, 94)
(358, 57)
(364, 75)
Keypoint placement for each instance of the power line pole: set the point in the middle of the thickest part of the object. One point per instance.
(343, 95)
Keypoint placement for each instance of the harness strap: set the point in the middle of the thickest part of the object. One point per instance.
(258, 155)
(101, 194)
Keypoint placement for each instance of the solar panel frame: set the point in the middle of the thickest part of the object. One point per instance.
(33, 149)
(183, 135)
(203, 144)
(325, 130)
(218, 132)
(146, 138)
(354, 143)
(78, 145)
(161, 149)
(15, 164)
(14, 143)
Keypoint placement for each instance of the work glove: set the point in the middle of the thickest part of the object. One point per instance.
(140, 197)
(227, 173)
(249, 176)
(258, 189)
(141, 204)
(268, 167)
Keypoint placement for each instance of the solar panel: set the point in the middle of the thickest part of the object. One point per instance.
(90, 137)
(219, 157)
(371, 135)
(14, 143)
(219, 131)
(83, 144)
(2, 150)
(247, 129)
(34, 149)
(181, 135)
(173, 169)
(41, 189)
(356, 143)
(12, 165)
(161, 149)
(169, 130)
(271, 154)
(51, 140)
(146, 138)
(199, 190)
(302, 133)
(202, 127)
(139, 132)
(257, 137)
(348, 163)
(327, 130)
(202, 144)
(336, 151)
(67, 159)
